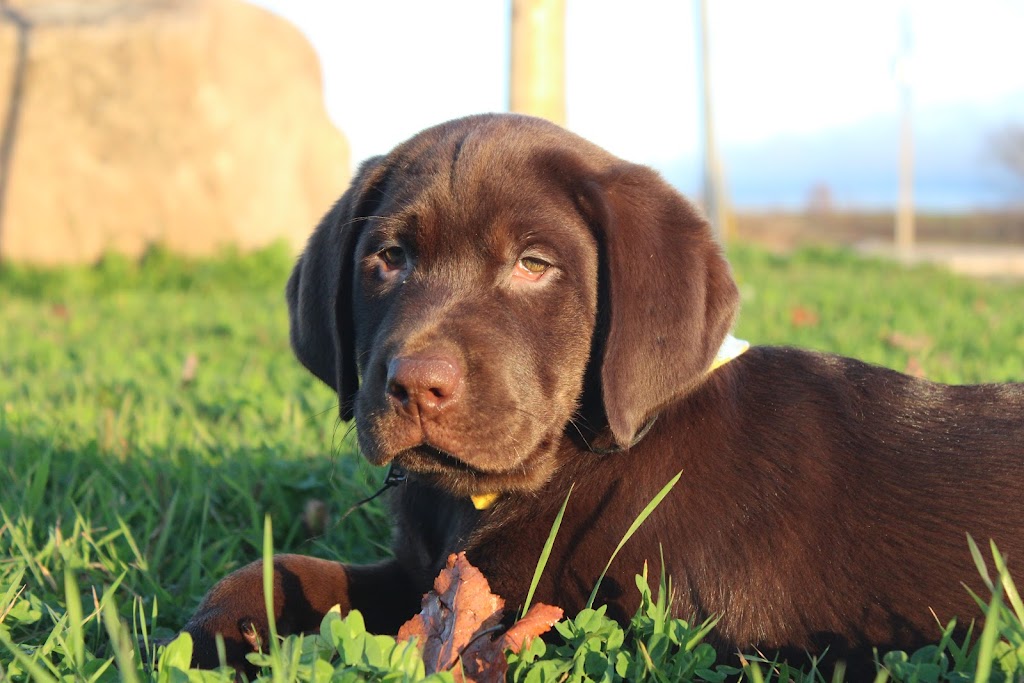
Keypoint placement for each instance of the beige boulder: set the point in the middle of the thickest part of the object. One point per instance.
(193, 124)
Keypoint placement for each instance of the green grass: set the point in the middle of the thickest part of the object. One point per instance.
(127, 487)
(958, 330)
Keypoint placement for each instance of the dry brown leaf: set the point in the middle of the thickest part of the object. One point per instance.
(484, 660)
(460, 605)
(538, 620)
(314, 517)
(803, 317)
(914, 368)
(908, 342)
(189, 368)
(458, 619)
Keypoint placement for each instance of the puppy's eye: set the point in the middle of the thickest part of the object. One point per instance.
(531, 268)
(392, 258)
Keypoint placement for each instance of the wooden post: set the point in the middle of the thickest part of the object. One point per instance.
(537, 79)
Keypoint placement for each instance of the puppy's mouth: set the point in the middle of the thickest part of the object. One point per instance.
(427, 459)
(466, 473)
(448, 472)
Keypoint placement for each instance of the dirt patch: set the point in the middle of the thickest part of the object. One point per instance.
(784, 231)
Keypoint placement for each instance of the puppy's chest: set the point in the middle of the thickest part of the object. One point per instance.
(430, 525)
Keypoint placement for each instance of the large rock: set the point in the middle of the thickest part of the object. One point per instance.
(189, 123)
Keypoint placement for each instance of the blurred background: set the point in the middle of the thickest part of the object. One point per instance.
(889, 126)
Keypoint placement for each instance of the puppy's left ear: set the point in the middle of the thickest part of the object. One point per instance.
(668, 290)
(318, 291)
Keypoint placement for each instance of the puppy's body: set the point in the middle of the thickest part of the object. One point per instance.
(821, 533)
(508, 310)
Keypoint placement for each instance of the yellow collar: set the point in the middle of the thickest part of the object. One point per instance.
(484, 500)
(730, 349)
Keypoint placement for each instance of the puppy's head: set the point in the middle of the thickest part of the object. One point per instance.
(496, 285)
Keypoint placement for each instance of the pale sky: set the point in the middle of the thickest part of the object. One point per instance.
(393, 67)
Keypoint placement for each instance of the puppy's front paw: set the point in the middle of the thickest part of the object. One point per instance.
(305, 588)
(241, 635)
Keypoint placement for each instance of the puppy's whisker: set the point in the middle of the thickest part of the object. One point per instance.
(524, 411)
(321, 413)
(511, 436)
(514, 442)
(574, 424)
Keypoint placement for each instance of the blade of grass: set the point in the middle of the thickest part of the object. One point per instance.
(140, 558)
(36, 672)
(73, 604)
(18, 539)
(99, 672)
(140, 628)
(640, 519)
(268, 598)
(698, 637)
(754, 671)
(15, 589)
(34, 497)
(989, 636)
(979, 562)
(123, 650)
(947, 637)
(545, 553)
(1012, 596)
(222, 652)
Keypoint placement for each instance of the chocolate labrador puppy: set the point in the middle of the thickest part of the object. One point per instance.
(508, 311)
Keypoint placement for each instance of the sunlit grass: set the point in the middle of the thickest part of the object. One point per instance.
(152, 416)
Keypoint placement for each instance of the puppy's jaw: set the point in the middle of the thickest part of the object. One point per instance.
(463, 460)
(451, 474)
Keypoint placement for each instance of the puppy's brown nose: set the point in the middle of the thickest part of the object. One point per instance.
(422, 386)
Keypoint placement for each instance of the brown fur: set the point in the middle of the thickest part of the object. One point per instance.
(823, 501)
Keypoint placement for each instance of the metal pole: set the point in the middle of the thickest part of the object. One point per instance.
(715, 205)
(905, 236)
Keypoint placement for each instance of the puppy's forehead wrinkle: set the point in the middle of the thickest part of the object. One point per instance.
(470, 191)
(452, 173)
(496, 231)
(477, 167)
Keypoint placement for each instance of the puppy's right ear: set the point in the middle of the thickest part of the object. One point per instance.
(319, 300)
